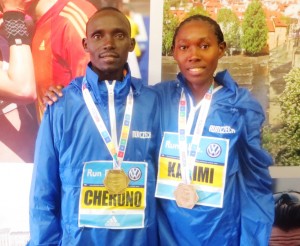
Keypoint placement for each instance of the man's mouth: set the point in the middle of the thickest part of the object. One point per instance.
(108, 55)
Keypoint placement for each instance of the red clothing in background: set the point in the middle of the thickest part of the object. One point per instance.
(57, 45)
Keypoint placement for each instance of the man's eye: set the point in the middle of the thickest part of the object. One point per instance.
(120, 35)
(97, 36)
(182, 47)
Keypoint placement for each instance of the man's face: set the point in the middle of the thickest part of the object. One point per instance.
(108, 43)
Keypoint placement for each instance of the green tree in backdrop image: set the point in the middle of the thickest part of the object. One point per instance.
(254, 28)
(284, 143)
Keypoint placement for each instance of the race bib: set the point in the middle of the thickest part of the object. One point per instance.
(208, 173)
(100, 209)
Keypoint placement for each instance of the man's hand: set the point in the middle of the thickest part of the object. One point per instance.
(52, 95)
(9, 5)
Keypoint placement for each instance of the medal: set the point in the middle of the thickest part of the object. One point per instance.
(116, 181)
(186, 196)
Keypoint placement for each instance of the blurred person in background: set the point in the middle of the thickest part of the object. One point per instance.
(17, 81)
(56, 46)
(133, 57)
(17, 85)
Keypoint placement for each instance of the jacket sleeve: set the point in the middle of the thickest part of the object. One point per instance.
(257, 205)
(45, 228)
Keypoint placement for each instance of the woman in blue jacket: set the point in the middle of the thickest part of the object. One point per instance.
(213, 183)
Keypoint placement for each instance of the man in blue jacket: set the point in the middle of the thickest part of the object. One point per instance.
(94, 174)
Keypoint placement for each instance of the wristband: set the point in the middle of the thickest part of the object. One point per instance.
(15, 28)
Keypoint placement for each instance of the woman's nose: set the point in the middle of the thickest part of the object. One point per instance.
(194, 54)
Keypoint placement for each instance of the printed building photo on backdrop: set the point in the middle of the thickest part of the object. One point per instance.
(262, 55)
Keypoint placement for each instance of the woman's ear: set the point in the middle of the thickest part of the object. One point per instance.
(174, 53)
(222, 49)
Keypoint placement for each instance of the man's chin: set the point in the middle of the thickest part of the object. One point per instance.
(108, 72)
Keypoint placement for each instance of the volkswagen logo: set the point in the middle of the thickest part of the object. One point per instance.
(135, 174)
(214, 150)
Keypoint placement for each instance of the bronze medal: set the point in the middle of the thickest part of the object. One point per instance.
(116, 181)
(186, 196)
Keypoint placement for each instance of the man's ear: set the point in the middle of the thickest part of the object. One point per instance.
(132, 44)
(84, 44)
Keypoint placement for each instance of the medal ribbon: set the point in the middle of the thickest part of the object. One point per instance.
(112, 113)
(112, 148)
(188, 155)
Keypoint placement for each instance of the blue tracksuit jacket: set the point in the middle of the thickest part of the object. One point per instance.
(67, 138)
(246, 217)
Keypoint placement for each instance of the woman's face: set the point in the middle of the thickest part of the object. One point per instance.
(197, 51)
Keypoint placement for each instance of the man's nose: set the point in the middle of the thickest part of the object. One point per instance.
(109, 42)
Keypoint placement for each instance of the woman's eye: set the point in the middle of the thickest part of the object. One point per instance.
(182, 47)
(204, 46)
